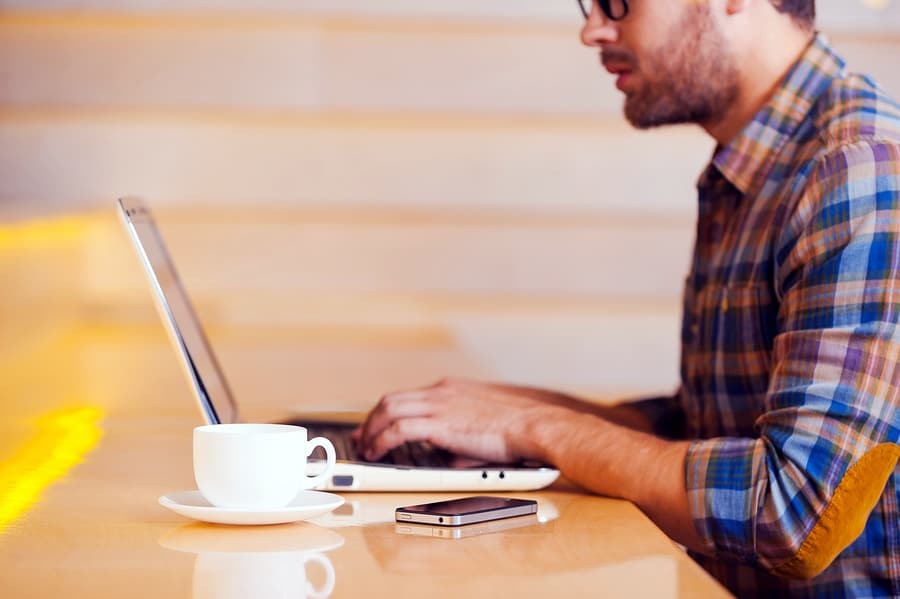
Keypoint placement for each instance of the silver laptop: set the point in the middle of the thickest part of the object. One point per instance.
(411, 467)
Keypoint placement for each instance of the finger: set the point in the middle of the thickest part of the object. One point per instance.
(360, 431)
(408, 394)
(400, 432)
(392, 407)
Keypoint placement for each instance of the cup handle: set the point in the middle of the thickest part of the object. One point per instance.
(328, 587)
(330, 458)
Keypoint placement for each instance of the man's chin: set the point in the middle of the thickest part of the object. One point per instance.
(640, 120)
(646, 117)
(643, 125)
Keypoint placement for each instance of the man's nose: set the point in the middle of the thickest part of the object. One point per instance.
(598, 28)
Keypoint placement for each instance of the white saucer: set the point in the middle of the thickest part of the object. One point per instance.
(308, 504)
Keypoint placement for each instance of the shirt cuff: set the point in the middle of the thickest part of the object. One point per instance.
(724, 487)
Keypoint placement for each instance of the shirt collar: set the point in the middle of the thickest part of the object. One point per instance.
(747, 159)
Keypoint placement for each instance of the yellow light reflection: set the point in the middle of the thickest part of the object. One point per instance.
(63, 439)
(43, 233)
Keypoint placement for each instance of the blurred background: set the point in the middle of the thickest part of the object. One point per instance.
(384, 191)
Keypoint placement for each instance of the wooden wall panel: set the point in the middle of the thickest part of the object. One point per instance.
(69, 161)
(604, 356)
(60, 64)
(577, 261)
(592, 308)
(857, 16)
(99, 64)
(308, 68)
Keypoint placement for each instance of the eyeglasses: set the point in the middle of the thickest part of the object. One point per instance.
(615, 10)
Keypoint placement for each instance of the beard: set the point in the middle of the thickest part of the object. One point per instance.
(690, 78)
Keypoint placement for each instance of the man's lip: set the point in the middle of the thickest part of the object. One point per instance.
(616, 69)
(622, 72)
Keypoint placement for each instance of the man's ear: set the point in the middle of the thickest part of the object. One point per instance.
(733, 7)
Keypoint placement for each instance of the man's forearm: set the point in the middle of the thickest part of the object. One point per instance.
(616, 461)
(623, 414)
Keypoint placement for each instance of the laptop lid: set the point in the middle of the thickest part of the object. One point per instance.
(197, 358)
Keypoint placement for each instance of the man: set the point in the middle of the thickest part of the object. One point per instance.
(776, 461)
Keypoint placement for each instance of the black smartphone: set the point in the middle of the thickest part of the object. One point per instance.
(467, 510)
(466, 531)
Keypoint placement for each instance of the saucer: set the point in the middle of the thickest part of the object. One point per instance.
(308, 504)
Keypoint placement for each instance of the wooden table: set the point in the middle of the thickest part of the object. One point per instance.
(98, 425)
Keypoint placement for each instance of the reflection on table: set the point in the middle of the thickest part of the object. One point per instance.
(260, 562)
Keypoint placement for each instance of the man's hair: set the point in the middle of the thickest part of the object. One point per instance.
(803, 12)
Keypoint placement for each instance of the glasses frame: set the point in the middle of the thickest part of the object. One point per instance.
(605, 7)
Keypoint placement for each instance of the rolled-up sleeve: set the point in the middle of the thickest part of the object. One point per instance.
(665, 414)
(791, 499)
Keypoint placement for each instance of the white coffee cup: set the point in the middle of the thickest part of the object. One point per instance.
(255, 466)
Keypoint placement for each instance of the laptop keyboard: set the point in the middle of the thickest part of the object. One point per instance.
(419, 454)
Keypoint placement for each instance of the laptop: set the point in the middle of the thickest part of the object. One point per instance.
(410, 467)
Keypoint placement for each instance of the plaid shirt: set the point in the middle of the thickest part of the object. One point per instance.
(790, 367)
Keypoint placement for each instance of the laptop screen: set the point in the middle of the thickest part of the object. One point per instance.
(175, 307)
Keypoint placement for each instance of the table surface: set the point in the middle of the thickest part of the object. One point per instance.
(98, 426)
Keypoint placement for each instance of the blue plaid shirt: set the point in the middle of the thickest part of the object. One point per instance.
(790, 369)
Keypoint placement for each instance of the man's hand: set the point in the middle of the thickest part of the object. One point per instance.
(479, 421)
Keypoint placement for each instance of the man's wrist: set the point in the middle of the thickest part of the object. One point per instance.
(583, 446)
(544, 429)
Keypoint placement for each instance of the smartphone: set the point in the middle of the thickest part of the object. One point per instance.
(468, 510)
(464, 532)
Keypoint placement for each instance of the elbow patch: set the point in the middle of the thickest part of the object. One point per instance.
(845, 515)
